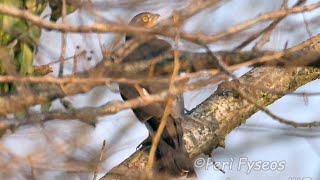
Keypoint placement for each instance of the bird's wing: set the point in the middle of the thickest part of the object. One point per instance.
(143, 113)
(153, 112)
(145, 51)
(148, 50)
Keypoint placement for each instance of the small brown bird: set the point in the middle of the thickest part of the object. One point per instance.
(170, 151)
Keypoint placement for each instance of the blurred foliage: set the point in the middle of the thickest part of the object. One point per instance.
(56, 7)
(19, 38)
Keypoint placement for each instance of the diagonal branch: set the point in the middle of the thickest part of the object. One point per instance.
(212, 120)
(121, 28)
(303, 54)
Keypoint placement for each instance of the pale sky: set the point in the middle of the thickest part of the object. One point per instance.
(260, 139)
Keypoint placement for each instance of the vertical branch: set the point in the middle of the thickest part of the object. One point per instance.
(64, 39)
(306, 25)
(100, 160)
(169, 103)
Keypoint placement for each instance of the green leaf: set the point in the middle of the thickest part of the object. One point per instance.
(25, 58)
(6, 88)
(6, 21)
(36, 6)
(34, 33)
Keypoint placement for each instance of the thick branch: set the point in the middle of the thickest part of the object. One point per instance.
(223, 111)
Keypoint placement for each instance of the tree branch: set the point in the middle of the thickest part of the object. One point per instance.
(121, 28)
(210, 122)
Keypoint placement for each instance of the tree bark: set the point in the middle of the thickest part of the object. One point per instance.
(207, 126)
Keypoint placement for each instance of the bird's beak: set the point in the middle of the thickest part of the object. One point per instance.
(154, 21)
(156, 16)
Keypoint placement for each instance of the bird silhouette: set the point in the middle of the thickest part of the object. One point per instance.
(171, 152)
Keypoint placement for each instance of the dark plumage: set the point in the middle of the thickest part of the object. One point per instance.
(171, 150)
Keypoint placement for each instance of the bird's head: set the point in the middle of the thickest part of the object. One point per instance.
(145, 19)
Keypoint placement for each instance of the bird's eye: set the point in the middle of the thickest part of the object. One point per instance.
(145, 19)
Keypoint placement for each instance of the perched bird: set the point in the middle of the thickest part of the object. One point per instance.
(170, 151)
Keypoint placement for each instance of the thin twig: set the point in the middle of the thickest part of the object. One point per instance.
(121, 28)
(268, 112)
(63, 39)
(156, 138)
(278, 55)
(96, 171)
(306, 25)
(266, 30)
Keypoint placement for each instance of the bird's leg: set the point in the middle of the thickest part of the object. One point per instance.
(145, 143)
(178, 115)
(180, 105)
